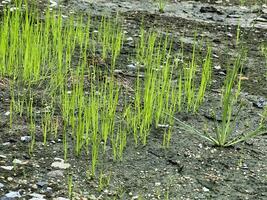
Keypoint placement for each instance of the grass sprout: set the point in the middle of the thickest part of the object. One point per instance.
(161, 5)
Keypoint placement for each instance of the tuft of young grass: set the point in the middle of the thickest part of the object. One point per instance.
(224, 131)
(70, 186)
(205, 79)
(161, 5)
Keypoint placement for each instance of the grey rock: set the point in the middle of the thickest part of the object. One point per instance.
(53, 3)
(210, 9)
(1, 185)
(13, 194)
(55, 173)
(60, 165)
(19, 162)
(5, 198)
(129, 39)
(131, 66)
(8, 168)
(3, 156)
(7, 113)
(261, 19)
(42, 183)
(25, 138)
(36, 196)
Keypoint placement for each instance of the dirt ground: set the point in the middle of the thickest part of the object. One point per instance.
(190, 168)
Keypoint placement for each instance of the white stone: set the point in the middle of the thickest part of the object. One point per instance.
(129, 39)
(53, 3)
(55, 173)
(19, 162)
(7, 113)
(37, 196)
(60, 165)
(2, 156)
(60, 198)
(157, 184)
(13, 194)
(217, 67)
(25, 138)
(9, 168)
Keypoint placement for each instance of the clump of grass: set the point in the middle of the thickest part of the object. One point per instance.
(193, 95)
(154, 53)
(205, 79)
(161, 5)
(42, 54)
(224, 131)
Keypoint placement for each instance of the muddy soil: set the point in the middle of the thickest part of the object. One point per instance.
(190, 168)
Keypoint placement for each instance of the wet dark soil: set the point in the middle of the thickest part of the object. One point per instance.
(190, 168)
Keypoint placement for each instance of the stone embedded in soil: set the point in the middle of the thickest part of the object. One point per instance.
(3, 156)
(55, 173)
(6, 144)
(9, 168)
(53, 4)
(1, 185)
(7, 113)
(60, 165)
(129, 39)
(6, 1)
(217, 67)
(60, 198)
(37, 196)
(210, 9)
(25, 138)
(262, 18)
(34, 186)
(157, 184)
(131, 67)
(42, 183)
(13, 194)
(20, 162)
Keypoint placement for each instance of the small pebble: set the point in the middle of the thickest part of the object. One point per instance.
(13, 194)
(55, 173)
(60, 165)
(25, 138)
(157, 184)
(9, 168)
